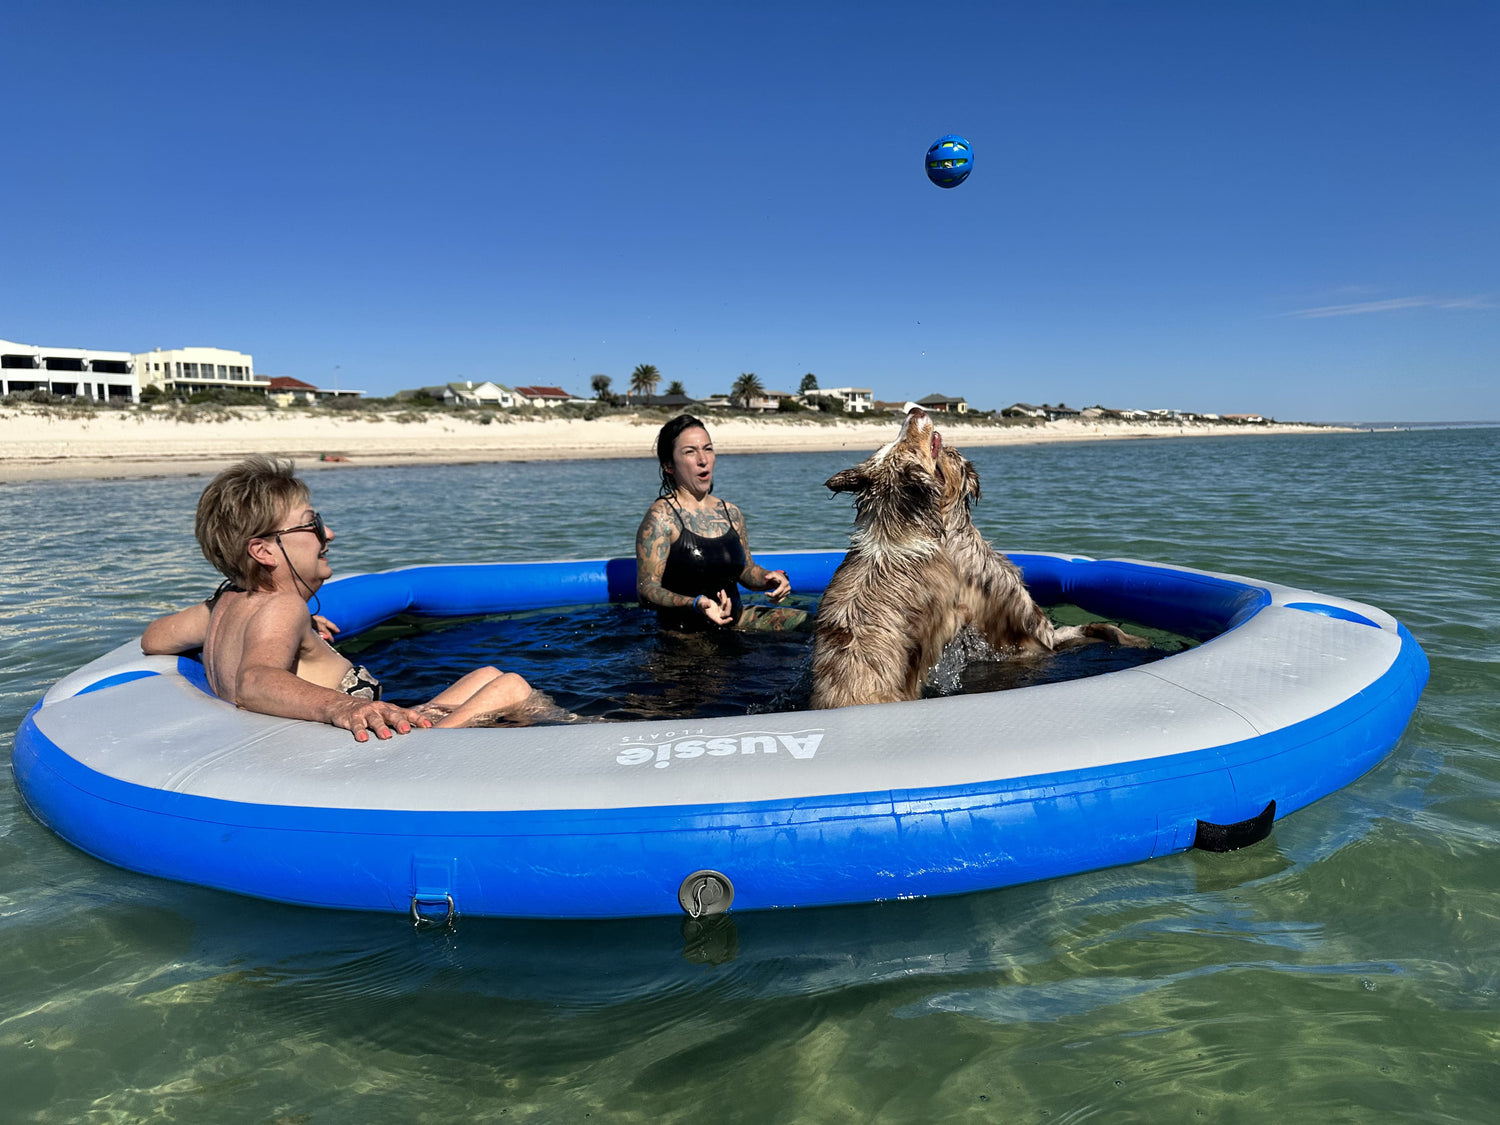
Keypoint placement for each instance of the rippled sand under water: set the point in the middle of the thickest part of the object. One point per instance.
(1345, 969)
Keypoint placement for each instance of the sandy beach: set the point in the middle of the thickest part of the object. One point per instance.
(45, 443)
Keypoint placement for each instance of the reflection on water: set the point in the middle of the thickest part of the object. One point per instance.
(1345, 969)
(611, 662)
(607, 662)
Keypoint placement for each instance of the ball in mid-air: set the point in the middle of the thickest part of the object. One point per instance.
(949, 161)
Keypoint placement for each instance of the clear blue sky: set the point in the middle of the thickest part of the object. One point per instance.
(1290, 208)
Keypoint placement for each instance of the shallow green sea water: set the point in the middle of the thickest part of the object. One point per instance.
(1346, 969)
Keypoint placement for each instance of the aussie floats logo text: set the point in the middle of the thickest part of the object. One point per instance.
(664, 748)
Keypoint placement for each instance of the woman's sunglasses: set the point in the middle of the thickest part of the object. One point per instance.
(317, 527)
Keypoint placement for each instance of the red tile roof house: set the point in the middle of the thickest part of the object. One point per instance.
(544, 396)
(285, 388)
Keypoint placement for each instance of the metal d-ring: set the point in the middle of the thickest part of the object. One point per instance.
(420, 921)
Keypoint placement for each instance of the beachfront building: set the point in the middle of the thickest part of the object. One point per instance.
(678, 403)
(103, 376)
(943, 404)
(483, 393)
(857, 400)
(1023, 410)
(467, 393)
(190, 371)
(769, 401)
(545, 396)
(284, 390)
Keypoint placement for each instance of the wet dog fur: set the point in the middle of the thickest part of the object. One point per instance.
(917, 572)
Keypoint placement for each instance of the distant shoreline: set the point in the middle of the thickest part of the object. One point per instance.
(1416, 425)
(47, 443)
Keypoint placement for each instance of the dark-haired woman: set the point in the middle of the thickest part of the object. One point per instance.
(692, 553)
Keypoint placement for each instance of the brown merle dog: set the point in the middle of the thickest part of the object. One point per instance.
(917, 572)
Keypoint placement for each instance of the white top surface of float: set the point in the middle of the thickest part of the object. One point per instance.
(1278, 668)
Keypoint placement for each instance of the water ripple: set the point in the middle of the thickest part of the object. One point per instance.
(1344, 968)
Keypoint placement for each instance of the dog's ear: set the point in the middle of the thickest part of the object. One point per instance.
(971, 479)
(850, 480)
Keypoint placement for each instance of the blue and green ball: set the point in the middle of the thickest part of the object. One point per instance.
(949, 161)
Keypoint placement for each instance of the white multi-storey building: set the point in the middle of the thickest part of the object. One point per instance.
(77, 372)
(191, 370)
(857, 400)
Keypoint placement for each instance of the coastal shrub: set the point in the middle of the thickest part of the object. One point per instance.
(199, 412)
(224, 396)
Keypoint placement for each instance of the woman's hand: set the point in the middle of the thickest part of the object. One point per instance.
(324, 627)
(717, 608)
(364, 717)
(778, 585)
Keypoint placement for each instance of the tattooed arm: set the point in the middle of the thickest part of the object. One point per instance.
(755, 576)
(653, 540)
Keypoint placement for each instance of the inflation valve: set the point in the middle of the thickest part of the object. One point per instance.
(1212, 837)
(705, 892)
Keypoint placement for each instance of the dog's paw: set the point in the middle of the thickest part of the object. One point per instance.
(1104, 631)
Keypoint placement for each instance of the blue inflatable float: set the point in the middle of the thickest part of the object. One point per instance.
(1290, 696)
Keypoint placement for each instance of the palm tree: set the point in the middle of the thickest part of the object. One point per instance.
(600, 384)
(643, 379)
(675, 387)
(746, 387)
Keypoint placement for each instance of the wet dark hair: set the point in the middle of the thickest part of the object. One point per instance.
(666, 442)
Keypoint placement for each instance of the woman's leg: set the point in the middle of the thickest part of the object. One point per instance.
(773, 618)
(483, 692)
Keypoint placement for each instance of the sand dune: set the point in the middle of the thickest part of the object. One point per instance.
(39, 443)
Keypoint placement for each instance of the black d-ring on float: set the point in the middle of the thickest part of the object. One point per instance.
(1212, 837)
(423, 921)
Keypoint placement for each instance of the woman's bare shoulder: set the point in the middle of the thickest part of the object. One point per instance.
(657, 520)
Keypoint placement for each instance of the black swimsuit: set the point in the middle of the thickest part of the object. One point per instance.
(358, 683)
(701, 566)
